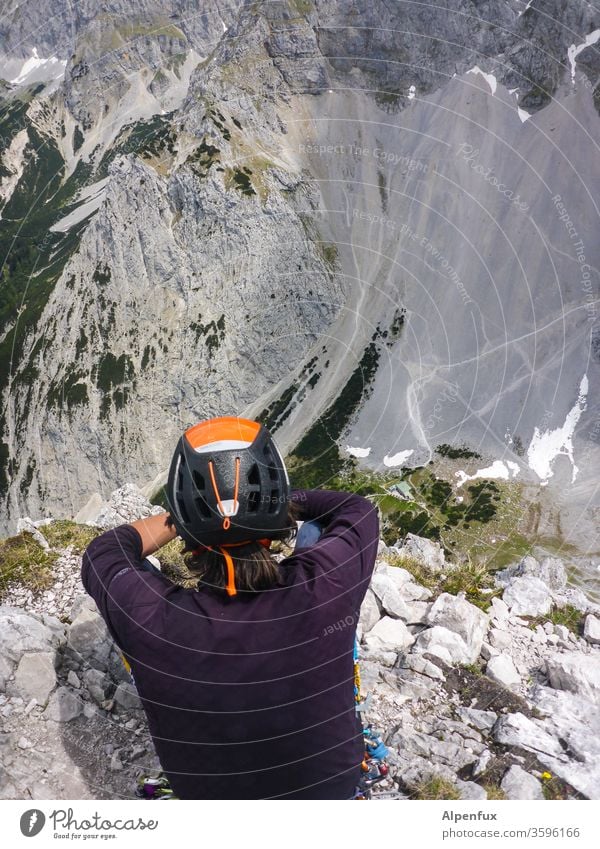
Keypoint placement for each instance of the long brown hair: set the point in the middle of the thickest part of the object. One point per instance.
(255, 567)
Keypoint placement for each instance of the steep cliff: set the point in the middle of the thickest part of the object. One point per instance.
(380, 218)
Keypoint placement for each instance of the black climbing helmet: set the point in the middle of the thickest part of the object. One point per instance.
(227, 484)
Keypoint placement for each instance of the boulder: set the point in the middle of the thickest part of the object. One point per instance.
(418, 663)
(481, 763)
(528, 596)
(500, 639)
(369, 611)
(460, 616)
(576, 672)
(35, 677)
(518, 784)
(26, 525)
(417, 612)
(483, 720)
(502, 670)
(446, 644)
(515, 729)
(426, 551)
(470, 790)
(398, 575)
(22, 632)
(551, 571)
(394, 605)
(591, 629)
(87, 633)
(499, 609)
(389, 635)
(575, 721)
(126, 696)
(63, 706)
(411, 591)
(97, 684)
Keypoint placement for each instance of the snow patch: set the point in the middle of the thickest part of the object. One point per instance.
(498, 470)
(489, 78)
(358, 452)
(397, 459)
(36, 69)
(545, 446)
(528, 6)
(574, 50)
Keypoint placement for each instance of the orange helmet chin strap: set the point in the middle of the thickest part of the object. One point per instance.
(230, 585)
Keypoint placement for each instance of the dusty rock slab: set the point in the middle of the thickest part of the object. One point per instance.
(578, 673)
(528, 596)
(35, 677)
(63, 706)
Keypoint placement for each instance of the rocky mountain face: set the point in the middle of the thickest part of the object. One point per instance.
(496, 700)
(371, 225)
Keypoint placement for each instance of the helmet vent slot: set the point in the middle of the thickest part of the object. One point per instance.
(273, 473)
(274, 501)
(254, 476)
(182, 510)
(203, 507)
(199, 481)
(253, 501)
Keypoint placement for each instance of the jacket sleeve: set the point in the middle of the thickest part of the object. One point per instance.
(344, 556)
(112, 572)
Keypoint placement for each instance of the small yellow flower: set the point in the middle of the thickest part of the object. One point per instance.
(546, 776)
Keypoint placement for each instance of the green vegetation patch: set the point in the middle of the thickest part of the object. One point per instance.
(456, 452)
(24, 561)
(316, 460)
(435, 787)
(213, 332)
(567, 615)
(63, 533)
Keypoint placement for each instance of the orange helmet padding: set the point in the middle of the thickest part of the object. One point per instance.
(222, 429)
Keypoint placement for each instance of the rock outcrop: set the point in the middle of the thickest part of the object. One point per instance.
(479, 698)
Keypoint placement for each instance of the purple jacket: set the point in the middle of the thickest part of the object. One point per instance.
(249, 697)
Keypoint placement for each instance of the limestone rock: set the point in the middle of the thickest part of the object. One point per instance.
(126, 696)
(502, 670)
(389, 635)
(445, 644)
(87, 633)
(97, 684)
(528, 596)
(35, 677)
(515, 729)
(470, 790)
(426, 551)
(578, 673)
(591, 629)
(518, 784)
(21, 632)
(460, 616)
(63, 706)
(369, 611)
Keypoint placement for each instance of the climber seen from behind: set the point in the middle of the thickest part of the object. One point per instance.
(247, 681)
